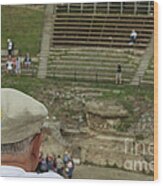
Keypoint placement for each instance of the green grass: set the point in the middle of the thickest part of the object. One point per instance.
(24, 26)
(122, 93)
(25, 84)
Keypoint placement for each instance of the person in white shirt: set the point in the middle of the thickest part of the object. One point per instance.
(21, 134)
(133, 37)
(10, 46)
(9, 65)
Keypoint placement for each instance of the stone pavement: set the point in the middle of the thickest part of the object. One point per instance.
(94, 172)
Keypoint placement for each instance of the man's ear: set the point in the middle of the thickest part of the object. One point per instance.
(34, 150)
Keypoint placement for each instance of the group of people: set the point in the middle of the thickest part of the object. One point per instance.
(14, 63)
(63, 166)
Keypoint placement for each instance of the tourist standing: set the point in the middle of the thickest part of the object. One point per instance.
(69, 168)
(50, 162)
(9, 65)
(66, 158)
(118, 78)
(10, 47)
(18, 66)
(133, 37)
(59, 164)
(27, 61)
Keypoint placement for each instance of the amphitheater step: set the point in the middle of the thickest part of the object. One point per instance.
(103, 19)
(86, 78)
(109, 65)
(92, 74)
(99, 34)
(99, 68)
(115, 16)
(95, 43)
(95, 38)
(99, 24)
(107, 29)
(88, 58)
(147, 82)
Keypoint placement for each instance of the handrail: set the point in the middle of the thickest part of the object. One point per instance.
(108, 7)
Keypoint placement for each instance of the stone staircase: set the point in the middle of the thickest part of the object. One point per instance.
(149, 74)
(144, 63)
(45, 41)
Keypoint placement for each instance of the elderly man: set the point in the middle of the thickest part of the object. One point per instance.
(21, 134)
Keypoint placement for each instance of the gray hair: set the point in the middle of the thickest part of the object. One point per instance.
(18, 147)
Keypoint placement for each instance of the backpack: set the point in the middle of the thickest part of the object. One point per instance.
(65, 158)
(43, 166)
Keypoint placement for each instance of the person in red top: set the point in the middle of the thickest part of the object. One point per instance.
(14, 62)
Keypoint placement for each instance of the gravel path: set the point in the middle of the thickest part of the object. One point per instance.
(93, 172)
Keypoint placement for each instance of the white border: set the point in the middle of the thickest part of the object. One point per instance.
(52, 182)
(60, 1)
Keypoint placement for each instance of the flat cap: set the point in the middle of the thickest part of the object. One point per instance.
(22, 116)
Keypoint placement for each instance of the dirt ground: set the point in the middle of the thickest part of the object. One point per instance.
(93, 172)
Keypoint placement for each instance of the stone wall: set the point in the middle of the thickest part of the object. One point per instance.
(127, 155)
(104, 116)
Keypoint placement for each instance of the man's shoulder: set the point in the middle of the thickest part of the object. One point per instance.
(11, 171)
